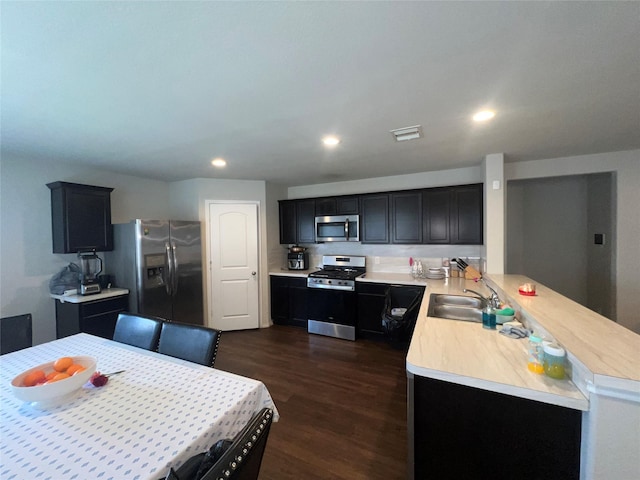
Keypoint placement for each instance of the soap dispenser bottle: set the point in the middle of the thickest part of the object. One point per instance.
(489, 317)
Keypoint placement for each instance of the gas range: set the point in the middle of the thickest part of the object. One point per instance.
(338, 272)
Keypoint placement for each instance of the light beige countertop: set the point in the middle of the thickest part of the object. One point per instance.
(284, 272)
(604, 347)
(392, 278)
(467, 354)
(106, 293)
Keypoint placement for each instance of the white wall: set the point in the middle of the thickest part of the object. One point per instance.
(26, 259)
(626, 167)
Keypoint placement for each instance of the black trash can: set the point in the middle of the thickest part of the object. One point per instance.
(400, 312)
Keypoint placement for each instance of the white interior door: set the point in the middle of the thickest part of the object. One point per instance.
(233, 266)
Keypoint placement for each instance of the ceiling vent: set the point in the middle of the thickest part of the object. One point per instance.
(407, 133)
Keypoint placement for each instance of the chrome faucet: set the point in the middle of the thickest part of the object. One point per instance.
(493, 299)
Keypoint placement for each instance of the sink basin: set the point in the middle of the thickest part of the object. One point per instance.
(455, 307)
(460, 300)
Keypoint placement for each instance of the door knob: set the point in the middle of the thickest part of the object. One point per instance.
(253, 273)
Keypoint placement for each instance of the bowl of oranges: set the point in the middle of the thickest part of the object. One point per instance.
(53, 381)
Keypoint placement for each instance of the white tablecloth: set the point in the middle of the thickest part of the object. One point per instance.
(156, 414)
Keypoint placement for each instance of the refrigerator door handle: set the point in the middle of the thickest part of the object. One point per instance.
(174, 277)
(168, 278)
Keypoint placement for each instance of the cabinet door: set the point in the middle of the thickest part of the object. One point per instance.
(371, 298)
(347, 205)
(466, 215)
(99, 318)
(326, 206)
(80, 217)
(298, 307)
(288, 224)
(406, 217)
(374, 221)
(436, 215)
(279, 299)
(306, 212)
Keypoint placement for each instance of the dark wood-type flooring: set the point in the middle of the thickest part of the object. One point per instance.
(342, 404)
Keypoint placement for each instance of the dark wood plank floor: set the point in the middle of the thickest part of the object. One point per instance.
(342, 404)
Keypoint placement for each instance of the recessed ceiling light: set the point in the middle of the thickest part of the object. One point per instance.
(484, 115)
(218, 162)
(331, 140)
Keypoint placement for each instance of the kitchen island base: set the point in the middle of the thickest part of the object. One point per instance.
(460, 432)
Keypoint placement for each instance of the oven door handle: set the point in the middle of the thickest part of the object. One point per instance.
(346, 228)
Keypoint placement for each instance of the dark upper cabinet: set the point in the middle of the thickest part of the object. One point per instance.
(80, 217)
(306, 211)
(453, 215)
(466, 215)
(406, 217)
(347, 205)
(326, 206)
(288, 221)
(436, 215)
(374, 218)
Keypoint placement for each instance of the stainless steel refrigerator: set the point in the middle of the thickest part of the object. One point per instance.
(160, 262)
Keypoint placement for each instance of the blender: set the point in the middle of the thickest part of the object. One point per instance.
(90, 268)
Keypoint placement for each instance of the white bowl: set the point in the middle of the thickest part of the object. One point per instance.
(57, 390)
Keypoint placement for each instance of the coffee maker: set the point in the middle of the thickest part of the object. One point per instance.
(298, 260)
(90, 268)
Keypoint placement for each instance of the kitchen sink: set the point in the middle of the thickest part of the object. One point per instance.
(460, 300)
(455, 307)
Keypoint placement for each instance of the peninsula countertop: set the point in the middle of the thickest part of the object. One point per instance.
(467, 354)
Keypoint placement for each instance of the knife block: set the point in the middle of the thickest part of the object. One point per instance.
(471, 273)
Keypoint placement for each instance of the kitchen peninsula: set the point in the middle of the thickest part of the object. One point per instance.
(472, 403)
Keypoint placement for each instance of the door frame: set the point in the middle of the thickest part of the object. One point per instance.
(208, 255)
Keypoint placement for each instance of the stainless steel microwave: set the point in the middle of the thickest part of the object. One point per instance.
(338, 228)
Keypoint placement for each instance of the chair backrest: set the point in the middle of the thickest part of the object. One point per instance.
(138, 330)
(194, 343)
(15, 333)
(242, 460)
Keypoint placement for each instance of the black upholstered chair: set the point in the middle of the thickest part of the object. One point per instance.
(138, 330)
(242, 460)
(15, 333)
(189, 342)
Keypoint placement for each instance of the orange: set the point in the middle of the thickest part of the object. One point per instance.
(50, 375)
(75, 368)
(62, 364)
(58, 377)
(33, 378)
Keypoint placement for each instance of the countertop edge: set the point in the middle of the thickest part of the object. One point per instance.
(107, 293)
(512, 390)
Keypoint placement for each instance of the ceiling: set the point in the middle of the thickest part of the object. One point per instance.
(158, 89)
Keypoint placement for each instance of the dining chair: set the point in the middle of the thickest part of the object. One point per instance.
(193, 343)
(138, 330)
(243, 458)
(15, 333)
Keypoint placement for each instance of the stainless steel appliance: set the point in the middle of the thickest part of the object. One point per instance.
(338, 228)
(90, 268)
(298, 261)
(332, 296)
(160, 262)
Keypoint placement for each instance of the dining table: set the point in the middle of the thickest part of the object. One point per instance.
(152, 416)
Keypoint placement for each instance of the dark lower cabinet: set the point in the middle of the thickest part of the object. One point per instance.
(371, 298)
(289, 300)
(458, 432)
(97, 317)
